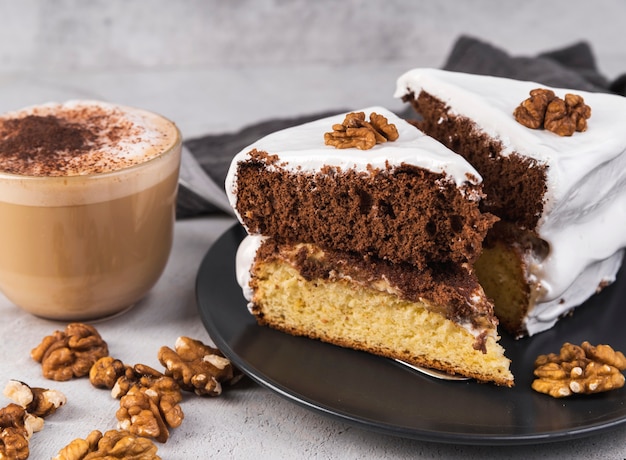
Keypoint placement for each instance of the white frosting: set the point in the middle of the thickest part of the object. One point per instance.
(246, 252)
(585, 205)
(302, 149)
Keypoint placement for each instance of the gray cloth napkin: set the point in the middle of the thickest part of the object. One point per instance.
(206, 159)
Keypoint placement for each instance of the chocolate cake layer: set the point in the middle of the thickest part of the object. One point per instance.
(402, 214)
(514, 185)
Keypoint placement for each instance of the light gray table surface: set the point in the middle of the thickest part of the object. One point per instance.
(249, 421)
(215, 67)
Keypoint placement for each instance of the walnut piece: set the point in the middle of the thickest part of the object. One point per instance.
(532, 111)
(37, 401)
(543, 109)
(149, 402)
(113, 444)
(139, 414)
(356, 132)
(581, 369)
(605, 354)
(13, 444)
(198, 367)
(79, 448)
(16, 428)
(382, 126)
(70, 353)
(105, 372)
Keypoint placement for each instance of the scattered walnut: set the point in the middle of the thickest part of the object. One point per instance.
(37, 401)
(139, 414)
(123, 445)
(71, 353)
(198, 367)
(13, 444)
(137, 375)
(149, 402)
(16, 428)
(356, 131)
(79, 448)
(113, 444)
(165, 392)
(543, 109)
(581, 369)
(105, 372)
(15, 416)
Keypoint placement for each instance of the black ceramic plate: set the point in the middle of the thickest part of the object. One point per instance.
(377, 394)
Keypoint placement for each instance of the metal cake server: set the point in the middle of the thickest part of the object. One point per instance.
(432, 372)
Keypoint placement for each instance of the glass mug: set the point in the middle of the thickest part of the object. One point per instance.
(90, 244)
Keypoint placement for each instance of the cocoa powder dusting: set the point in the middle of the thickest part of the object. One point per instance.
(75, 139)
(40, 139)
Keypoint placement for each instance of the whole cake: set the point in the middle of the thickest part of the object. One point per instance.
(363, 233)
(553, 163)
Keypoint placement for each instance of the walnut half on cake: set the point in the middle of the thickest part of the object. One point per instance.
(368, 248)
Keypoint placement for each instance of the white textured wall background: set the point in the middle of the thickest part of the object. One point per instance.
(120, 34)
(177, 56)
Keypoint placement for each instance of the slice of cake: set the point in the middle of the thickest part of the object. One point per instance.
(553, 163)
(367, 248)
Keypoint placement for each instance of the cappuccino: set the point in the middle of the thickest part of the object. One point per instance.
(87, 203)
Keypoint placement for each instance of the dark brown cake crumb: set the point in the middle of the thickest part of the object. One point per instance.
(514, 185)
(402, 214)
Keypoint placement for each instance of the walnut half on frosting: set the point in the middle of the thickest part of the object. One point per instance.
(543, 109)
(357, 132)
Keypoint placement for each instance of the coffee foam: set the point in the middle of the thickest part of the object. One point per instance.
(118, 137)
(144, 151)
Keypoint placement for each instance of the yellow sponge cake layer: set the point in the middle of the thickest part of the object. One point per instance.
(342, 310)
